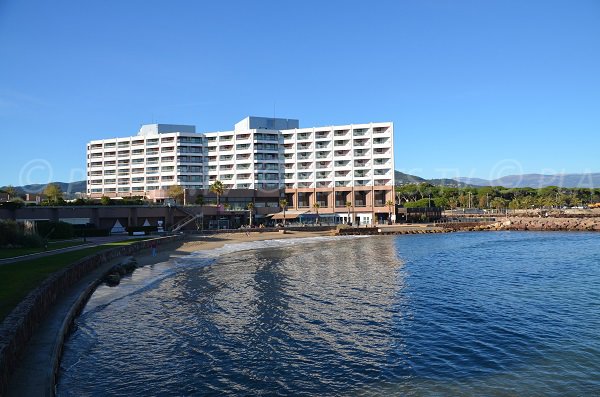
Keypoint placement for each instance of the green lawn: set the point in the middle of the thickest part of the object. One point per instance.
(12, 252)
(18, 279)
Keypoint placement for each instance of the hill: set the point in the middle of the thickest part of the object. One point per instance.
(590, 180)
(404, 179)
(68, 188)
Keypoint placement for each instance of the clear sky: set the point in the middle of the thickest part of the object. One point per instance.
(475, 88)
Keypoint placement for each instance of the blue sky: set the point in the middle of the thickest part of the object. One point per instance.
(475, 88)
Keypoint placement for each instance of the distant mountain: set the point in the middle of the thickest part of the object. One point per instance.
(68, 188)
(591, 180)
(404, 179)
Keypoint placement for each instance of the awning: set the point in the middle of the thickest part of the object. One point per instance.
(288, 214)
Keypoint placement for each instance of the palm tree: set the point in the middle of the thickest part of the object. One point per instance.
(283, 203)
(250, 207)
(389, 204)
(11, 191)
(316, 206)
(200, 201)
(218, 189)
(348, 205)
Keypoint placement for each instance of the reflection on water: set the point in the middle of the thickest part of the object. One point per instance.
(461, 314)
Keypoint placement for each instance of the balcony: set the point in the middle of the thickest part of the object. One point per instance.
(382, 182)
(380, 152)
(361, 142)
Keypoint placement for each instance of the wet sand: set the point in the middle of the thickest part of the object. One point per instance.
(209, 242)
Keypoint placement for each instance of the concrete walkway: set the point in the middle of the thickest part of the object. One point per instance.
(36, 373)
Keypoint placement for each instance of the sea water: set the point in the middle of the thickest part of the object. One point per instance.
(490, 313)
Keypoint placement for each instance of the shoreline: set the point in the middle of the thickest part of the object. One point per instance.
(193, 243)
(165, 252)
(42, 359)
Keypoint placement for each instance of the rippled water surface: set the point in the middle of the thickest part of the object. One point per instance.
(499, 313)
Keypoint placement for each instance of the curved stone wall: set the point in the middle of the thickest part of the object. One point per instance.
(18, 327)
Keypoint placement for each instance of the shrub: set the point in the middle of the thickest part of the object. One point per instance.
(49, 229)
(12, 205)
(11, 234)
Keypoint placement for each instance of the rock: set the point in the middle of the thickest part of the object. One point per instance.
(113, 279)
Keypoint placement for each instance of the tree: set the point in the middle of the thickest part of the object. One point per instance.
(200, 201)
(283, 203)
(218, 189)
(176, 192)
(389, 204)
(316, 206)
(442, 202)
(53, 192)
(498, 203)
(104, 200)
(348, 205)
(482, 201)
(452, 202)
(11, 191)
(250, 207)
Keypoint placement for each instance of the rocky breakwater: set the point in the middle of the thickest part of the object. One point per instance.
(113, 277)
(547, 224)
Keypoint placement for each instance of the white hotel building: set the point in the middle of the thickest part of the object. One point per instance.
(330, 165)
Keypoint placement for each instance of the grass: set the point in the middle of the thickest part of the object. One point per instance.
(13, 252)
(18, 279)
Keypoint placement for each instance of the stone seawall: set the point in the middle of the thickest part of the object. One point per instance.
(549, 224)
(18, 327)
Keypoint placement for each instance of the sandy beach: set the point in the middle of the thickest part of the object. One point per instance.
(200, 243)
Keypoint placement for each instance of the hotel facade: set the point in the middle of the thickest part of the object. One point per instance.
(261, 160)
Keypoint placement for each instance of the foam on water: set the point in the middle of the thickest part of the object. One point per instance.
(148, 277)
